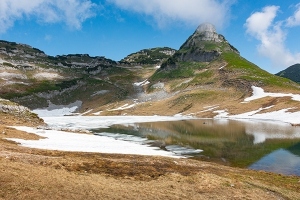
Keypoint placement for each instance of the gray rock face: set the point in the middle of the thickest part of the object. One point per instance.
(199, 56)
(206, 27)
(208, 33)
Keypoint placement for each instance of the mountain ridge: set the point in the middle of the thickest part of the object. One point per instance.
(207, 70)
(292, 73)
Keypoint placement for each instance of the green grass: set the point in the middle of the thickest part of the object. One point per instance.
(205, 77)
(199, 96)
(65, 84)
(250, 72)
(183, 70)
(20, 90)
(8, 64)
(210, 46)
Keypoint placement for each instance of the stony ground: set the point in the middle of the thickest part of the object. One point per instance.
(38, 174)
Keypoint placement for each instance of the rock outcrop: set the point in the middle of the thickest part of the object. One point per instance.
(153, 56)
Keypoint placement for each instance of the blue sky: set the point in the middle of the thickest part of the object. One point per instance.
(266, 33)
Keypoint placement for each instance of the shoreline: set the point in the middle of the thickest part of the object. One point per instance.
(133, 145)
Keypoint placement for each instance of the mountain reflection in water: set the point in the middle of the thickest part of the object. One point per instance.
(245, 143)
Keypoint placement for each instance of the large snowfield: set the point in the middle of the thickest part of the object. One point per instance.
(55, 139)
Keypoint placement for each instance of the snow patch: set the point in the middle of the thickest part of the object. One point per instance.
(221, 114)
(97, 113)
(124, 107)
(66, 141)
(280, 115)
(259, 93)
(101, 92)
(57, 110)
(209, 108)
(223, 66)
(145, 82)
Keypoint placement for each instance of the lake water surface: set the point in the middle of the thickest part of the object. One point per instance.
(267, 145)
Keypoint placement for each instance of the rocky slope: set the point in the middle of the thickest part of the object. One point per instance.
(17, 114)
(292, 73)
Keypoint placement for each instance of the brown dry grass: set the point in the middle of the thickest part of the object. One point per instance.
(39, 174)
(193, 102)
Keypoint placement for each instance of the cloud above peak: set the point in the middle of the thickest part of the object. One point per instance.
(71, 12)
(272, 36)
(189, 12)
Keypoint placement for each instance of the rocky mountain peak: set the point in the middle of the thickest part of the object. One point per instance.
(204, 36)
(204, 45)
(207, 32)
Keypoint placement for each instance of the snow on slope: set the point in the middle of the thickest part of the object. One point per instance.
(145, 82)
(259, 93)
(281, 115)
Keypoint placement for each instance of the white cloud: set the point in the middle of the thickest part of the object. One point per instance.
(259, 22)
(190, 12)
(295, 19)
(272, 37)
(71, 12)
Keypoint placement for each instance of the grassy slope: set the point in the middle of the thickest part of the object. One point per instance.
(292, 72)
(252, 73)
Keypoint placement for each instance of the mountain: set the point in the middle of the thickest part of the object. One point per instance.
(149, 56)
(205, 45)
(292, 73)
(207, 71)
(208, 58)
(205, 74)
(32, 78)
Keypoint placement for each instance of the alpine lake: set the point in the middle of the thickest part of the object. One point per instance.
(258, 145)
